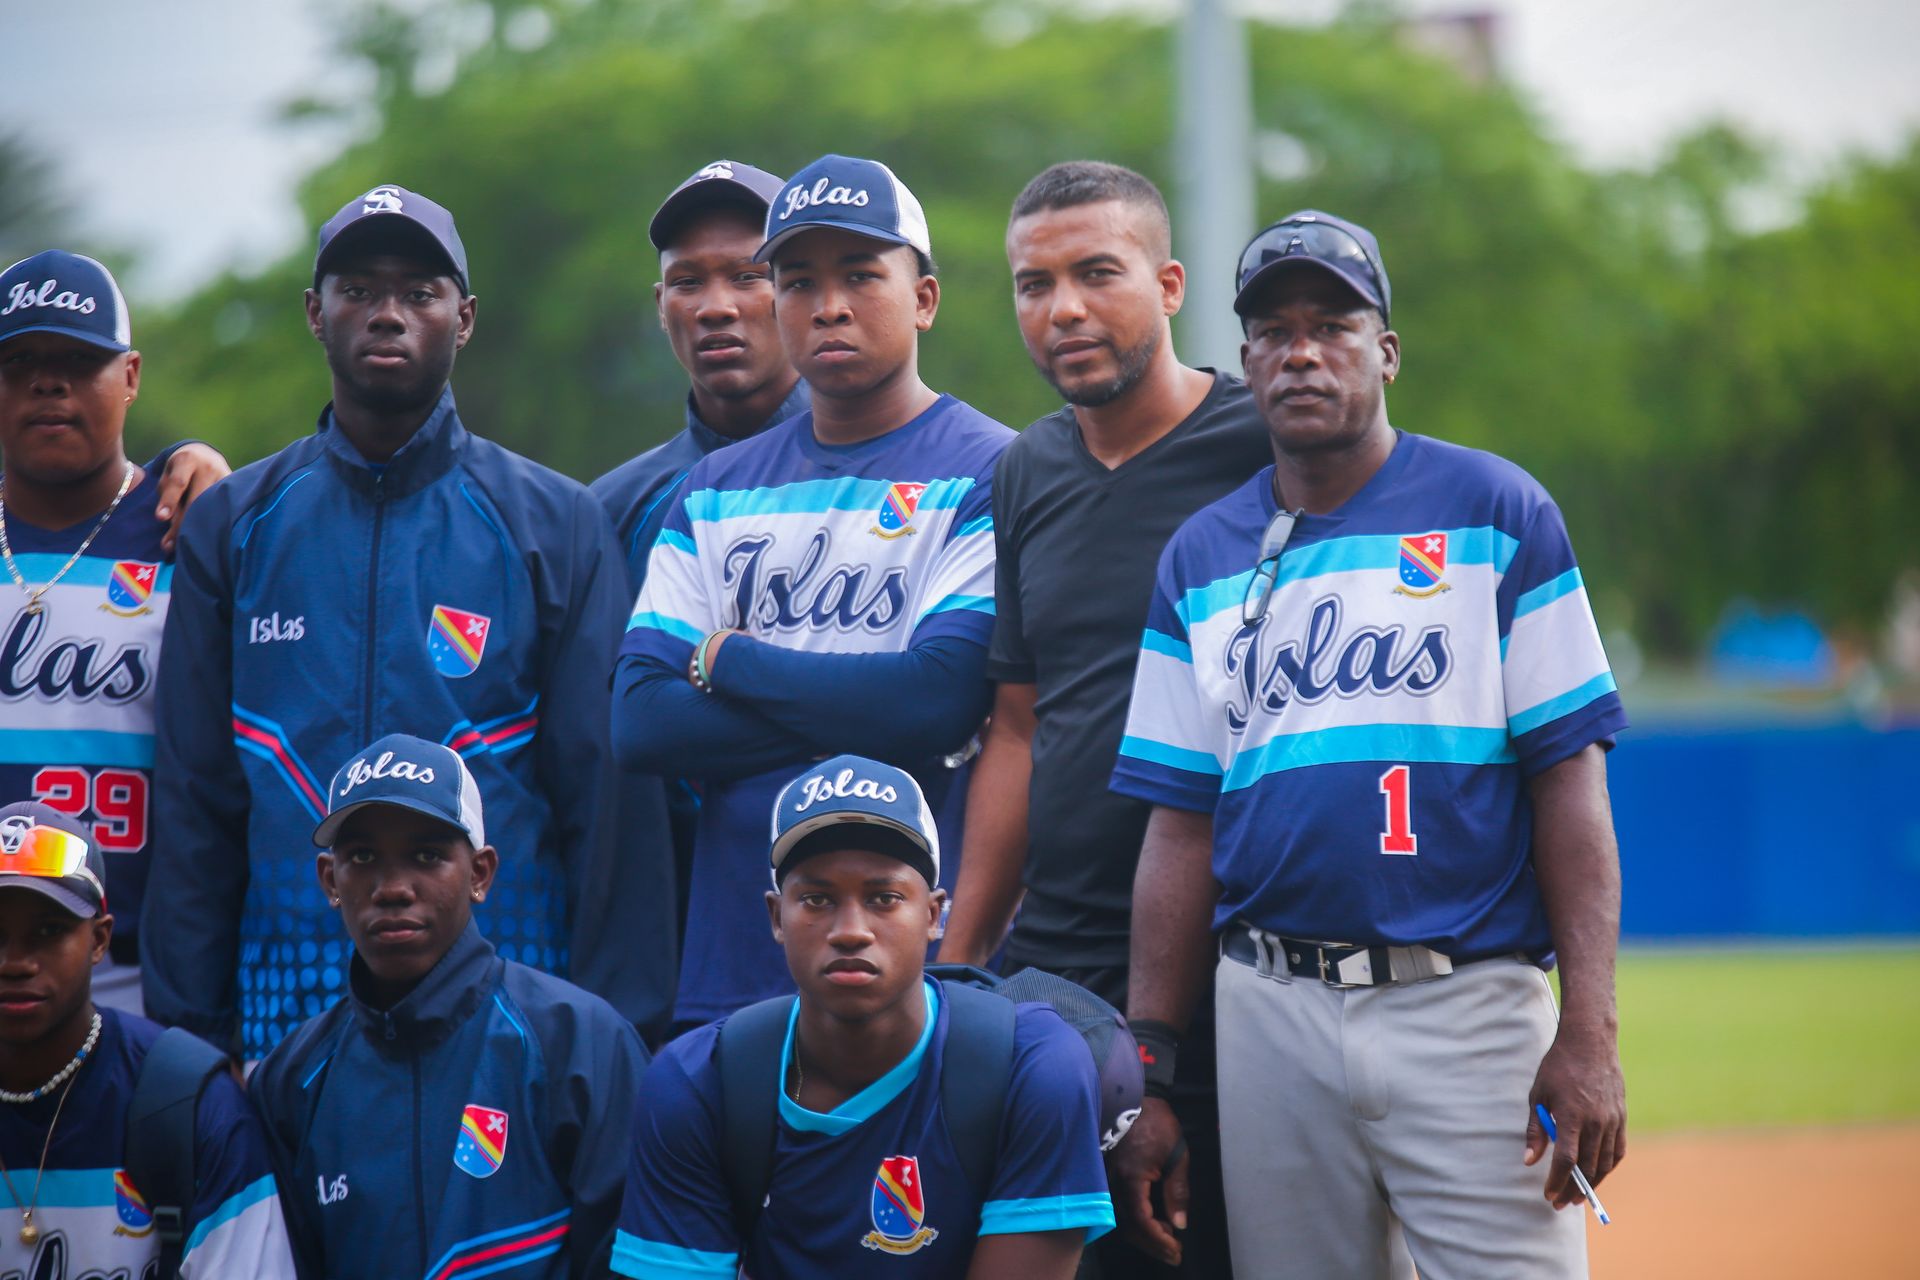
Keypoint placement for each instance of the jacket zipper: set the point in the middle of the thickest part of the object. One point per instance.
(373, 606)
(419, 1173)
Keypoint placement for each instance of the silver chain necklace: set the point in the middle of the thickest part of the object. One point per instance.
(33, 1095)
(20, 579)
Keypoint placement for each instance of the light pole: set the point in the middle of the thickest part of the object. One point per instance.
(1213, 170)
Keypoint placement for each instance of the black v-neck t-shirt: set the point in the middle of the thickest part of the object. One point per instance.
(1077, 544)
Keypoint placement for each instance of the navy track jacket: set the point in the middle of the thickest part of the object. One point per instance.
(460, 593)
(480, 1125)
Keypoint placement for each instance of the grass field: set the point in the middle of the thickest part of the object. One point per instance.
(1715, 1038)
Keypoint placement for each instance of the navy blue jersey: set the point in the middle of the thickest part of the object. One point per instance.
(862, 549)
(459, 593)
(473, 1128)
(873, 1188)
(640, 492)
(1364, 748)
(77, 682)
(93, 1220)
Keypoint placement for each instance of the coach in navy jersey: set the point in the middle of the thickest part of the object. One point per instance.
(89, 572)
(825, 586)
(864, 1179)
(1371, 711)
(391, 572)
(1084, 501)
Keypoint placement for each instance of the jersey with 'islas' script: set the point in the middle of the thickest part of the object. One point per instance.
(855, 549)
(77, 681)
(1364, 748)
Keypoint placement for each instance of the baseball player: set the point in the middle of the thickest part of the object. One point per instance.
(715, 303)
(501, 1094)
(391, 572)
(1084, 501)
(69, 1068)
(1370, 712)
(88, 572)
(825, 586)
(864, 1178)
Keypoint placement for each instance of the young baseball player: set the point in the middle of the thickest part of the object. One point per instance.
(1084, 501)
(455, 1114)
(864, 1178)
(88, 572)
(715, 303)
(68, 1071)
(1371, 712)
(390, 572)
(825, 586)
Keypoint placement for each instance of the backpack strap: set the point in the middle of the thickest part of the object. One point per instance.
(975, 1075)
(749, 1049)
(160, 1134)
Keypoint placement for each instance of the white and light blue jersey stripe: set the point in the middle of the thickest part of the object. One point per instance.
(859, 549)
(1364, 747)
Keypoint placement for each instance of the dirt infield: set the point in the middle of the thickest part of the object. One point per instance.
(1793, 1202)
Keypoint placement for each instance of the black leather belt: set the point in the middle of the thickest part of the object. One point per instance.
(1335, 964)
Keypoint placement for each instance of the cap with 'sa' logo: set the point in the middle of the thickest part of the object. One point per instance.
(846, 194)
(851, 802)
(412, 221)
(408, 773)
(64, 293)
(721, 182)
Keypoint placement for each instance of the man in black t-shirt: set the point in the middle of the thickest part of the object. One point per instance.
(1083, 504)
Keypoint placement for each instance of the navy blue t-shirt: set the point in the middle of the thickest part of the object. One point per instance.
(873, 1188)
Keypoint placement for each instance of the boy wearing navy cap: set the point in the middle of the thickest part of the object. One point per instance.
(715, 304)
(865, 1178)
(307, 622)
(87, 571)
(826, 586)
(68, 1072)
(487, 1097)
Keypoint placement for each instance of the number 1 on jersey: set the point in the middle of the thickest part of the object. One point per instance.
(1397, 786)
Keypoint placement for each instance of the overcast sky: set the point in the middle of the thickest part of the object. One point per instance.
(161, 114)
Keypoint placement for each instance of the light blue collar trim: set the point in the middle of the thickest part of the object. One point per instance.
(869, 1100)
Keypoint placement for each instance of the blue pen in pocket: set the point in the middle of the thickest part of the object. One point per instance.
(1579, 1178)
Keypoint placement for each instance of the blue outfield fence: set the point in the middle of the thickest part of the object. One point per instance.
(1777, 832)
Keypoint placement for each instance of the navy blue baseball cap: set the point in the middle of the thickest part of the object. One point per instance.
(410, 773)
(851, 802)
(847, 194)
(1320, 240)
(64, 293)
(389, 209)
(725, 182)
(56, 857)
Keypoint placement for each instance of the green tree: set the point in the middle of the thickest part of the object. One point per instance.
(1720, 411)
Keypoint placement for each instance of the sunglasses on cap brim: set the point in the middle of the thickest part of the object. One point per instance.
(1312, 241)
(47, 853)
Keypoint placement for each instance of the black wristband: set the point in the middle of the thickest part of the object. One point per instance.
(1159, 1051)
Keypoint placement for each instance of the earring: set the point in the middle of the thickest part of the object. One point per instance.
(476, 895)
(333, 902)
(1390, 378)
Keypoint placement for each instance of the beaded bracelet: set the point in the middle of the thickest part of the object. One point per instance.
(702, 678)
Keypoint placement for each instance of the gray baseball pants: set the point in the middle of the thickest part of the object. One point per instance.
(1367, 1130)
